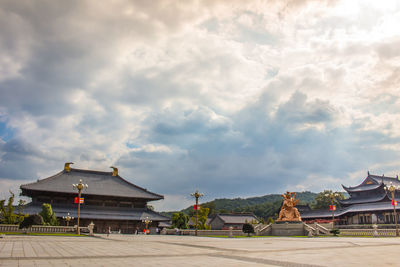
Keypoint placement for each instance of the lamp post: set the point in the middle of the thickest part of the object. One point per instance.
(67, 218)
(332, 196)
(146, 221)
(79, 187)
(392, 189)
(197, 195)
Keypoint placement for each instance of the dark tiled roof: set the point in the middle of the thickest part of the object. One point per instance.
(376, 198)
(100, 213)
(361, 188)
(233, 218)
(386, 180)
(100, 183)
(377, 180)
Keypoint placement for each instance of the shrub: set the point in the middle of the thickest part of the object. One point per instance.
(34, 219)
(248, 229)
(335, 232)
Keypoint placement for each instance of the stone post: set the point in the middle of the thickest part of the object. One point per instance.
(310, 234)
(376, 234)
(230, 231)
(91, 227)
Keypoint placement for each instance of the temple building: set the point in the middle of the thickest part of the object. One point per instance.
(368, 203)
(223, 221)
(109, 200)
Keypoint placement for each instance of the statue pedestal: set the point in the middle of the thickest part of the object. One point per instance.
(288, 229)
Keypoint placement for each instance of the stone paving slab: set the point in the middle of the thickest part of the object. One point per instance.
(140, 250)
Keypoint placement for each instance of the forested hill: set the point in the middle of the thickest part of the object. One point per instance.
(263, 207)
(232, 204)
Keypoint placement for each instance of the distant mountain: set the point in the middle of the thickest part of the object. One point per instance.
(263, 207)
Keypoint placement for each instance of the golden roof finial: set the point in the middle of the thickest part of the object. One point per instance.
(67, 168)
(115, 171)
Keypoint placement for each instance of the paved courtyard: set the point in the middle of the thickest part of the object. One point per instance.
(121, 250)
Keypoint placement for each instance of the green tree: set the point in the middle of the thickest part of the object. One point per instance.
(7, 211)
(248, 228)
(203, 216)
(323, 201)
(20, 208)
(48, 215)
(210, 206)
(180, 220)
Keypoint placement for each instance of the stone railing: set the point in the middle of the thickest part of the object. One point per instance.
(212, 232)
(365, 226)
(201, 232)
(310, 230)
(38, 229)
(263, 229)
(9, 228)
(321, 229)
(367, 232)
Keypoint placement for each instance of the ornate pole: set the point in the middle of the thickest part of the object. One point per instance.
(392, 189)
(332, 196)
(67, 218)
(79, 187)
(146, 221)
(197, 195)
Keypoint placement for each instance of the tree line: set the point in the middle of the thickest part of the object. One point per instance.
(10, 214)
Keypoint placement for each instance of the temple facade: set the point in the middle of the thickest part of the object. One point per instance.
(368, 203)
(109, 200)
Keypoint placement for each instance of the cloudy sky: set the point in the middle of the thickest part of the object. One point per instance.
(234, 98)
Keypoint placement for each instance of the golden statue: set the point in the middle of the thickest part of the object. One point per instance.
(288, 211)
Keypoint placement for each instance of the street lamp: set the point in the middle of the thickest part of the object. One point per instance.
(146, 221)
(332, 196)
(67, 218)
(197, 195)
(79, 187)
(392, 189)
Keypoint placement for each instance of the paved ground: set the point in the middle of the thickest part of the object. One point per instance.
(121, 250)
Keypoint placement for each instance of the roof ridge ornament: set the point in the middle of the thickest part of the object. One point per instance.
(67, 168)
(115, 171)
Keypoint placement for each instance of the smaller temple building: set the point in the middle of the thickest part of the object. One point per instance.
(368, 203)
(235, 220)
(109, 200)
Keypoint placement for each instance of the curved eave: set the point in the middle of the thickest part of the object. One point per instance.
(361, 188)
(24, 193)
(351, 201)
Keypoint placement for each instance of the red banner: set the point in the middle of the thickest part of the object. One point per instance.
(394, 202)
(332, 207)
(77, 200)
(196, 207)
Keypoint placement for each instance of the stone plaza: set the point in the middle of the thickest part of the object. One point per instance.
(155, 250)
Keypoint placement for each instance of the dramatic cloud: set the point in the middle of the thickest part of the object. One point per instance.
(231, 98)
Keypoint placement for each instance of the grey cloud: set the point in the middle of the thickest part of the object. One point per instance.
(296, 110)
(264, 156)
(18, 159)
